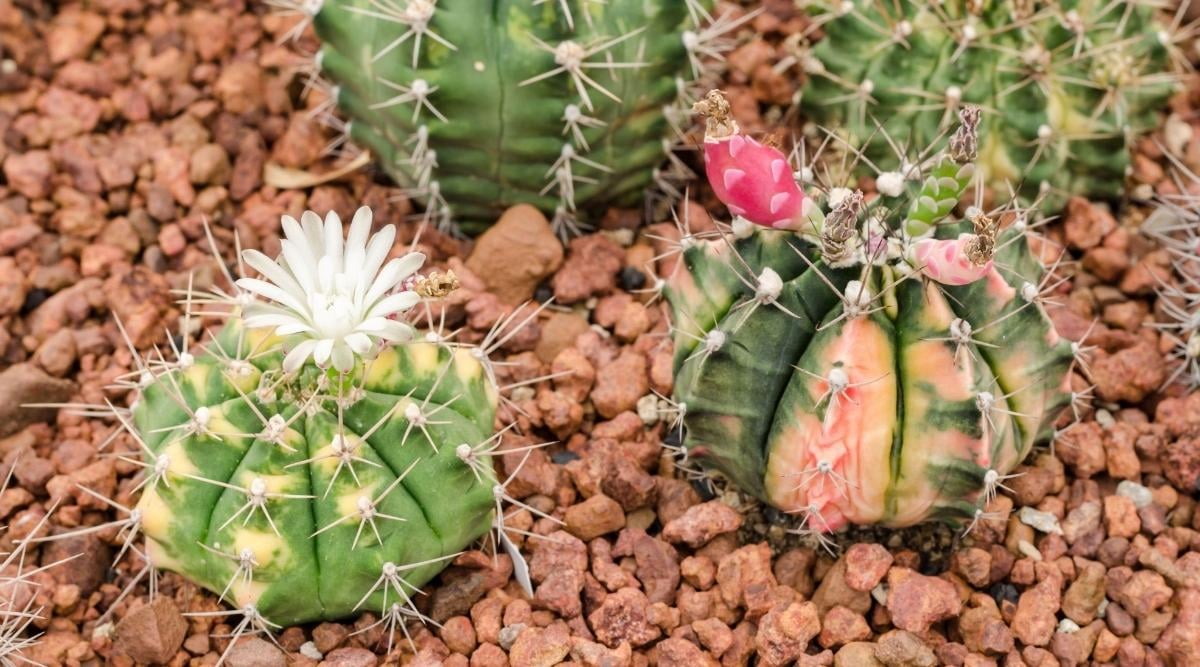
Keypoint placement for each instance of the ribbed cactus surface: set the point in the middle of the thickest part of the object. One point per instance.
(866, 361)
(318, 458)
(476, 106)
(1066, 86)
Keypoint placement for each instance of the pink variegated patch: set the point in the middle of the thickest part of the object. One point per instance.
(946, 261)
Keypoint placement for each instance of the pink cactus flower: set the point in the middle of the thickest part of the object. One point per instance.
(946, 261)
(754, 180)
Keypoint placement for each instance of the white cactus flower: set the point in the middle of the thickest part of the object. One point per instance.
(336, 296)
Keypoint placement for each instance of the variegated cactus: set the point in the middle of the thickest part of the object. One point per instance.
(1066, 86)
(320, 457)
(862, 360)
(563, 104)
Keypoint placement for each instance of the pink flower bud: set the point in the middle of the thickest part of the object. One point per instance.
(946, 261)
(754, 181)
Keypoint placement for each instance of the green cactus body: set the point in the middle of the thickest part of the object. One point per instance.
(891, 393)
(314, 555)
(503, 88)
(1066, 85)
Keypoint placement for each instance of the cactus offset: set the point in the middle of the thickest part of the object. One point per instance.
(317, 461)
(864, 360)
(1066, 86)
(476, 107)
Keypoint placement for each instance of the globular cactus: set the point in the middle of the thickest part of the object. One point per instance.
(862, 360)
(317, 460)
(1066, 86)
(476, 107)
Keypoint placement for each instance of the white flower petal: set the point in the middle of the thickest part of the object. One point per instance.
(343, 357)
(359, 342)
(333, 240)
(356, 242)
(313, 233)
(301, 265)
(274, 293)
(271, 319)
(298, 355)
(394, 303)
(270, 269)
(293, 328)
(322, 351)
(377, 251)
(396, 270)
(396, 332)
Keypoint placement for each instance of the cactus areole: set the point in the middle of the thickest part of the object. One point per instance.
(860, 361)
(317, 461)
(1066, 86)
(479, 105)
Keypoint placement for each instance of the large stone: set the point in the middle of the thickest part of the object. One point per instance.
(25, 384)
(516, 254)
(152, 633)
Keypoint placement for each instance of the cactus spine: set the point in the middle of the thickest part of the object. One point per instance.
(474, 107)
(858, 360)
(1066, 86)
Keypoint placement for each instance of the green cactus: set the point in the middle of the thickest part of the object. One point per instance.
(479, 106)
(876, 363)
(1066, 86)
(301, 483)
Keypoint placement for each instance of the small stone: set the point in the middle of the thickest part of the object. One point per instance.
(594, 517)
(1140, 495)
(916, 601)
(903, 649)
(1082, 600)
(152, 633)
(679, 652)
(1120, 517)
(856, 654)
(1145, 592)
(458, 635)
(620, 383)
(537, 647)
(1035, 621)
(622, 618)
(30, 173)
(785, 631)
(209, 165)
(350, 656)
(866, 565)
(591, 268)
(1043, 521)
(701, 523)
(255, 652)
(842, 626)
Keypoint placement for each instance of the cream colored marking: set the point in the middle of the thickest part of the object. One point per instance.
(379, 370)
(222, 427)
(156, 516)
(275, 483)
(424, 357)
(266, 546)
(197, 376)
(247, 592)
(466, 366)
(347, 503)
(160, 558)
(178, 462)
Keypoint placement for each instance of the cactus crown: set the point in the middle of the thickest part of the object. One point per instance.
(859, 359)
(564, 104)
(1064, 86)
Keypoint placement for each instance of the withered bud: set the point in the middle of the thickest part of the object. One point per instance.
(982, 246)
(719, 122)
(964, 143)
(841, 225)
(437, 285)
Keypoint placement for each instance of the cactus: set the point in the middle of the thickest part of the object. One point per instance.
(556, 103)
(317, 460)
(862, 361)
(1066, 86)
